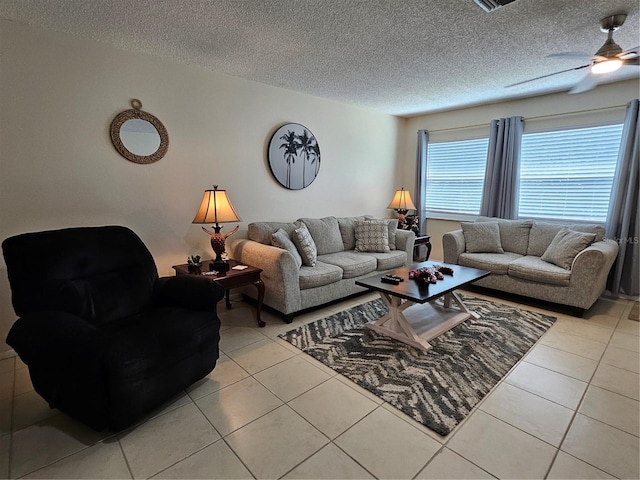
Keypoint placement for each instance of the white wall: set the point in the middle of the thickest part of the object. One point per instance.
(606, 103)
(58, 95)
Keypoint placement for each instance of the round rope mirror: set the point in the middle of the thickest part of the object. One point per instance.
(139, 136)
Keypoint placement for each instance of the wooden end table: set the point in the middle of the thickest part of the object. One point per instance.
(231, 279)
(426, 241)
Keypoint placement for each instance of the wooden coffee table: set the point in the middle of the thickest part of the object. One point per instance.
(231, 279)
(418, 311)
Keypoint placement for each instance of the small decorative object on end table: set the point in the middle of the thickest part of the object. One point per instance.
(216, 208)
(232, 278)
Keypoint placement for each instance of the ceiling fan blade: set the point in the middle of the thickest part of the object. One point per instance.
(631, 61)
(548, 75)
(628, 54)
(570, 55)
(588, 82)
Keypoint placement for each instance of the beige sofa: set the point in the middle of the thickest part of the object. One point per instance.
(564, 264)
(290, 287)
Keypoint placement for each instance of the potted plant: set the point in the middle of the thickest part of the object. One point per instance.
(193, 264)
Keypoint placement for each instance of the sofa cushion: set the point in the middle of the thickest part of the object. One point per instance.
(305, 245)
(387, 261)
(319, 275)
(483, 237)
(537, 270)
(393, 227)
(325, 233)
(262, 231)
(282, 239)
(496, 263)
(514, 234)
(352, 264)
(347, 227)
(543, 233)
(372, 236)
(565, 246)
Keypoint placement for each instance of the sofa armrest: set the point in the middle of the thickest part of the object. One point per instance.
(598, 258)
(280, 273)
(405, 240)
(590, 270)
(191, 292)
(453, 245)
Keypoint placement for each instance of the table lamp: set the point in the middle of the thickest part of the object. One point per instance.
(402, 203)
(216, 208)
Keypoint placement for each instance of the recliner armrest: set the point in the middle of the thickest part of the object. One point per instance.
(46, 335)
(192, 292)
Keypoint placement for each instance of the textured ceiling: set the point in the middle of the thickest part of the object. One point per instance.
(402, 57)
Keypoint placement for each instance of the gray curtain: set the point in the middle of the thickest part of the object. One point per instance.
(500, 192)
(622, 220)
(421, 178)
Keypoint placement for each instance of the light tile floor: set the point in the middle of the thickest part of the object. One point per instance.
(568, 409)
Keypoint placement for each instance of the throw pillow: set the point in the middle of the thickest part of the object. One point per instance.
(393, 226)
(347, 227)
(482, 237)
(565, 246)
(282, 240)
(306, 246)
(372, 236)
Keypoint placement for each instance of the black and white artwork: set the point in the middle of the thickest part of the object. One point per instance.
(294, 156)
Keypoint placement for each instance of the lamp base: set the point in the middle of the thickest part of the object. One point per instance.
(219, 265)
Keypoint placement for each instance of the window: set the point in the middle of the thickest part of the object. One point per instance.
(455, 175)
(568, 174)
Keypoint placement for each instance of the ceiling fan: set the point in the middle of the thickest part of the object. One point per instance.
(609, 58)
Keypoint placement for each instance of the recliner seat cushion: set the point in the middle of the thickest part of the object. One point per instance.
(352, 264)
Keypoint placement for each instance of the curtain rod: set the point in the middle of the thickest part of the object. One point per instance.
(530, 118)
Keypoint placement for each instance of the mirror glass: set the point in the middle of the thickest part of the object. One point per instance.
(140, 137)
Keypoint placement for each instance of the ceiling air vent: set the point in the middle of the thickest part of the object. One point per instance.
(491, 5)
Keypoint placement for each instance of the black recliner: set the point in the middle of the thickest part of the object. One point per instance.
(106, 341)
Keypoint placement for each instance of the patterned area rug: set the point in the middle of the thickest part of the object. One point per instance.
(437, 388)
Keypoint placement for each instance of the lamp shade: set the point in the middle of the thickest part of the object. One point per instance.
(216, 208)
(402, 201)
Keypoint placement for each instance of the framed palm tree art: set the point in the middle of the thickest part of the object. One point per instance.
(294, 156)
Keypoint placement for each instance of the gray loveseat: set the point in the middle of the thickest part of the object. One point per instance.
(564, 264)
(291, 287)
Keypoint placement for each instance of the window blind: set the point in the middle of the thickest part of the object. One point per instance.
(455, 175)
(568, 174)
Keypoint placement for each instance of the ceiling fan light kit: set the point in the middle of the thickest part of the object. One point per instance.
(606, 66)
(609, 57)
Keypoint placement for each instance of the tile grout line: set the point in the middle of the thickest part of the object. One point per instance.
(575, 412)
